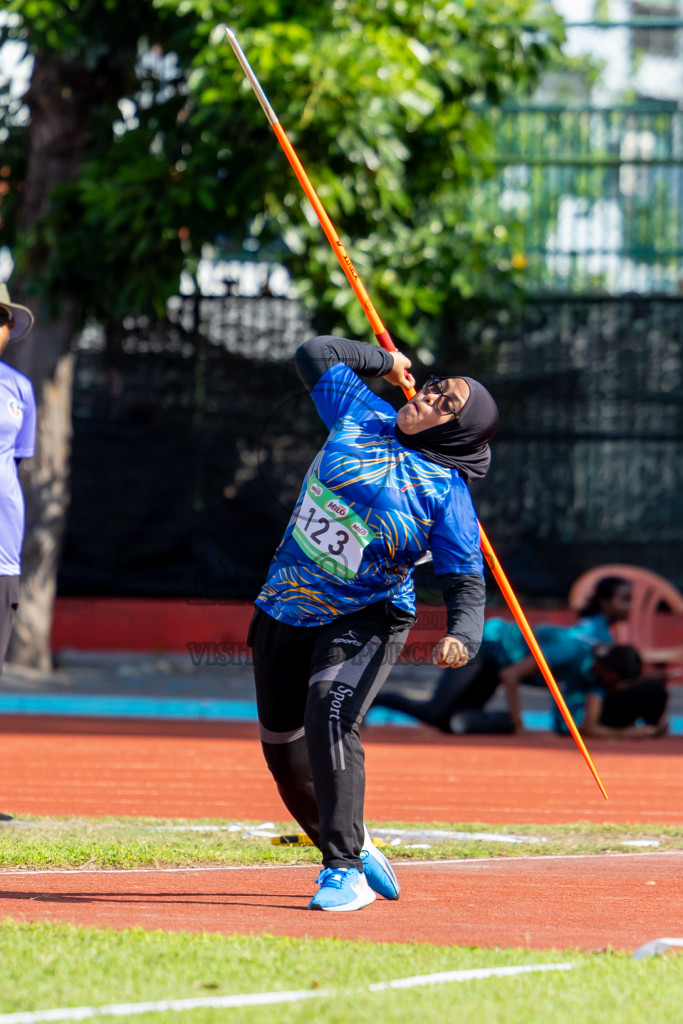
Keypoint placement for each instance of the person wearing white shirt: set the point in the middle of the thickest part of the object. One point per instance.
(17, 442)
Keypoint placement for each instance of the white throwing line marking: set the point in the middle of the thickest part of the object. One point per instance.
(479, 972)
(128, 1009)
(456, 862)
(265, 998)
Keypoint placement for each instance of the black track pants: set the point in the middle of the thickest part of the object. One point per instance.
(458, 689)
(646, 698)
(314, 685)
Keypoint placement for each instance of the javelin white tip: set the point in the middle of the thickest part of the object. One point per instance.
(248, 71)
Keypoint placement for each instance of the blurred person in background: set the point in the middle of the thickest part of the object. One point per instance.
(606, 694)
(458, 704)
(339, 601)
(609, 603)
(17, 442)
(613, 699)
(602, 685)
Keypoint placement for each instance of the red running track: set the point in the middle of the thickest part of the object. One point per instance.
(92, 767)
(616, 901)
(102, 767)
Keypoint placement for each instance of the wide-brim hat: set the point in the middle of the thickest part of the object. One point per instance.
(23, 317)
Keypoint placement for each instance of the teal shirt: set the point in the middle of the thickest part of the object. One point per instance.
(564, 649)
(594, 629)
(568, 651)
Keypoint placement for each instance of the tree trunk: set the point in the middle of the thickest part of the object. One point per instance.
(58, 100)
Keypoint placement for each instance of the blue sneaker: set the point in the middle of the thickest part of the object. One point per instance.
(378, 870)
(341, 889)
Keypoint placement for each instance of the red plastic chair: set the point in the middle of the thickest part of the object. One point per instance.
(649, 592)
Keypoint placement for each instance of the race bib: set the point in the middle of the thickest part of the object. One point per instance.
(329, 532)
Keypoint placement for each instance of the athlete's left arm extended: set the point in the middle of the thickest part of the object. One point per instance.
(465, 597)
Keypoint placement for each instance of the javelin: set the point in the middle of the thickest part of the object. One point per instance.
(384, 339)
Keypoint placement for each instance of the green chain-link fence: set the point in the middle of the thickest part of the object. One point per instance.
(597, 194)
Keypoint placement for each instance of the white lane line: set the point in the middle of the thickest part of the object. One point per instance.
(462, 862)
(479, 972)
(266, 998)
(468, 862)
(164, 1005)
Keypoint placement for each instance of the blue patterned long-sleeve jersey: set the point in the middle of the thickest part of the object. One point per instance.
(368, 510)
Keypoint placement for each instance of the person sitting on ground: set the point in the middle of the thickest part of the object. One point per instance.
(602, 690)
(610, 604)
(613, 699)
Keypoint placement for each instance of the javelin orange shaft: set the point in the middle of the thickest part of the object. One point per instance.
(381, 333)
(385, 341)
(521, 620)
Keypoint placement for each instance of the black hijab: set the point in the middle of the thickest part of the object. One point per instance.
(461, 443)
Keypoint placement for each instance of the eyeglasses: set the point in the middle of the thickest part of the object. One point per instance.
(6, 318)
(445, 404)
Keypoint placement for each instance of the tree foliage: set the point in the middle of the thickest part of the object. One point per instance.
(387, 105)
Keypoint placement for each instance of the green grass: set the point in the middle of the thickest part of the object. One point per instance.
(134, 843)
(47, 966)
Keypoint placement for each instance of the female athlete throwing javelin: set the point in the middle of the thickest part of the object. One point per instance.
(339, 601)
